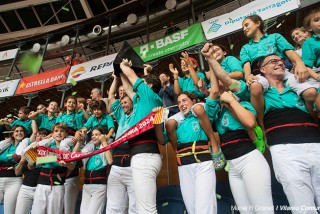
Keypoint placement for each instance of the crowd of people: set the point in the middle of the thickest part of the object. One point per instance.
(227, 115)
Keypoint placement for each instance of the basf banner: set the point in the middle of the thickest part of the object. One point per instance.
(227, 23)
(8, 88)
(42, 81)
(93, 68)
(172, 43)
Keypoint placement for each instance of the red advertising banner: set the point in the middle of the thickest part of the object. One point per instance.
(42, 81)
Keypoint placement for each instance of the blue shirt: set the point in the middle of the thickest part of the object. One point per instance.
(144, 101)
(224, 120)
(285, 99)
(27, 124)
(311, 51)
(69, 119)
(231, 64)
(190, 130)
(105, 122)
(121, 118)
(6, 155)
(45, 122)
(268, 44)
(186, 84)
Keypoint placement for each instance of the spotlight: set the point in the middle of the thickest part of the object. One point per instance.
(132, 19)
(97, 30)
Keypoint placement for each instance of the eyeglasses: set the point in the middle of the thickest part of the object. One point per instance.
(274, 62)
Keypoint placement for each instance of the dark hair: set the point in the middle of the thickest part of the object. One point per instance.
(192, 96)
(124, 96)
(152, 79)
(25, 109)
(14, 128)
(102, 130)
(262, 59)
(255, 18)
(307, 19)
(224, 48)
(83, 101)
(66, 100)
(43, 131)
(100, 105)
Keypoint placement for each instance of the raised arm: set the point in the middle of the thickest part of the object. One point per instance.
(35, 130)
(214, 90)
(113, 89)
(193, 73)
(175, 73)
(244, 116)
(34, 115)
(147, 69)
(207, 52)
(125, 66)
(127, 85)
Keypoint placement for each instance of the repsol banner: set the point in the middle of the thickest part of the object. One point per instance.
(8, 88)
(93, 68)
(172, 43)
(42, 81)
(227, 23)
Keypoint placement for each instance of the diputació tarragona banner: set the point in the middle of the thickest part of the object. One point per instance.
(230, 22)
(172, 43)
(42, 81)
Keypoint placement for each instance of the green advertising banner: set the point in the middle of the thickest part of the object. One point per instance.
(172, 43)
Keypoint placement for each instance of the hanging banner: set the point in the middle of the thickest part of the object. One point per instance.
(93, 68)
(140, 127)
(172, 43)
(8, 88)
(229, 22)
(8, 54)
(42, 81)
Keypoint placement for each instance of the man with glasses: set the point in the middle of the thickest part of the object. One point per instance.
(293, 137)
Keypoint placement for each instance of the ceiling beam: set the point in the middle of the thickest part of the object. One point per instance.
(22, 4)
(86, 8)
(18, 35)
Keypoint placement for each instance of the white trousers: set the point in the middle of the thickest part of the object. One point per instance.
(71, 191)
(119, 190)
(297, 168)
(94, 198)
(198, 187)
(250, 182)
(145, 168)
(25, 199)
(48, 200)
(9, 189)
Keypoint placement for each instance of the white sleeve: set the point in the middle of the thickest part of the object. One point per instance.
(45, 142)
(5, 144)
(66, 144)
(22, 145)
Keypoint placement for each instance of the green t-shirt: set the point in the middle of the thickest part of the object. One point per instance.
(311, 51)
(268, 44)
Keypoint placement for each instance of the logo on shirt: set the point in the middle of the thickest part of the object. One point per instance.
(270, 49)
(195, 126)
(225, 120)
